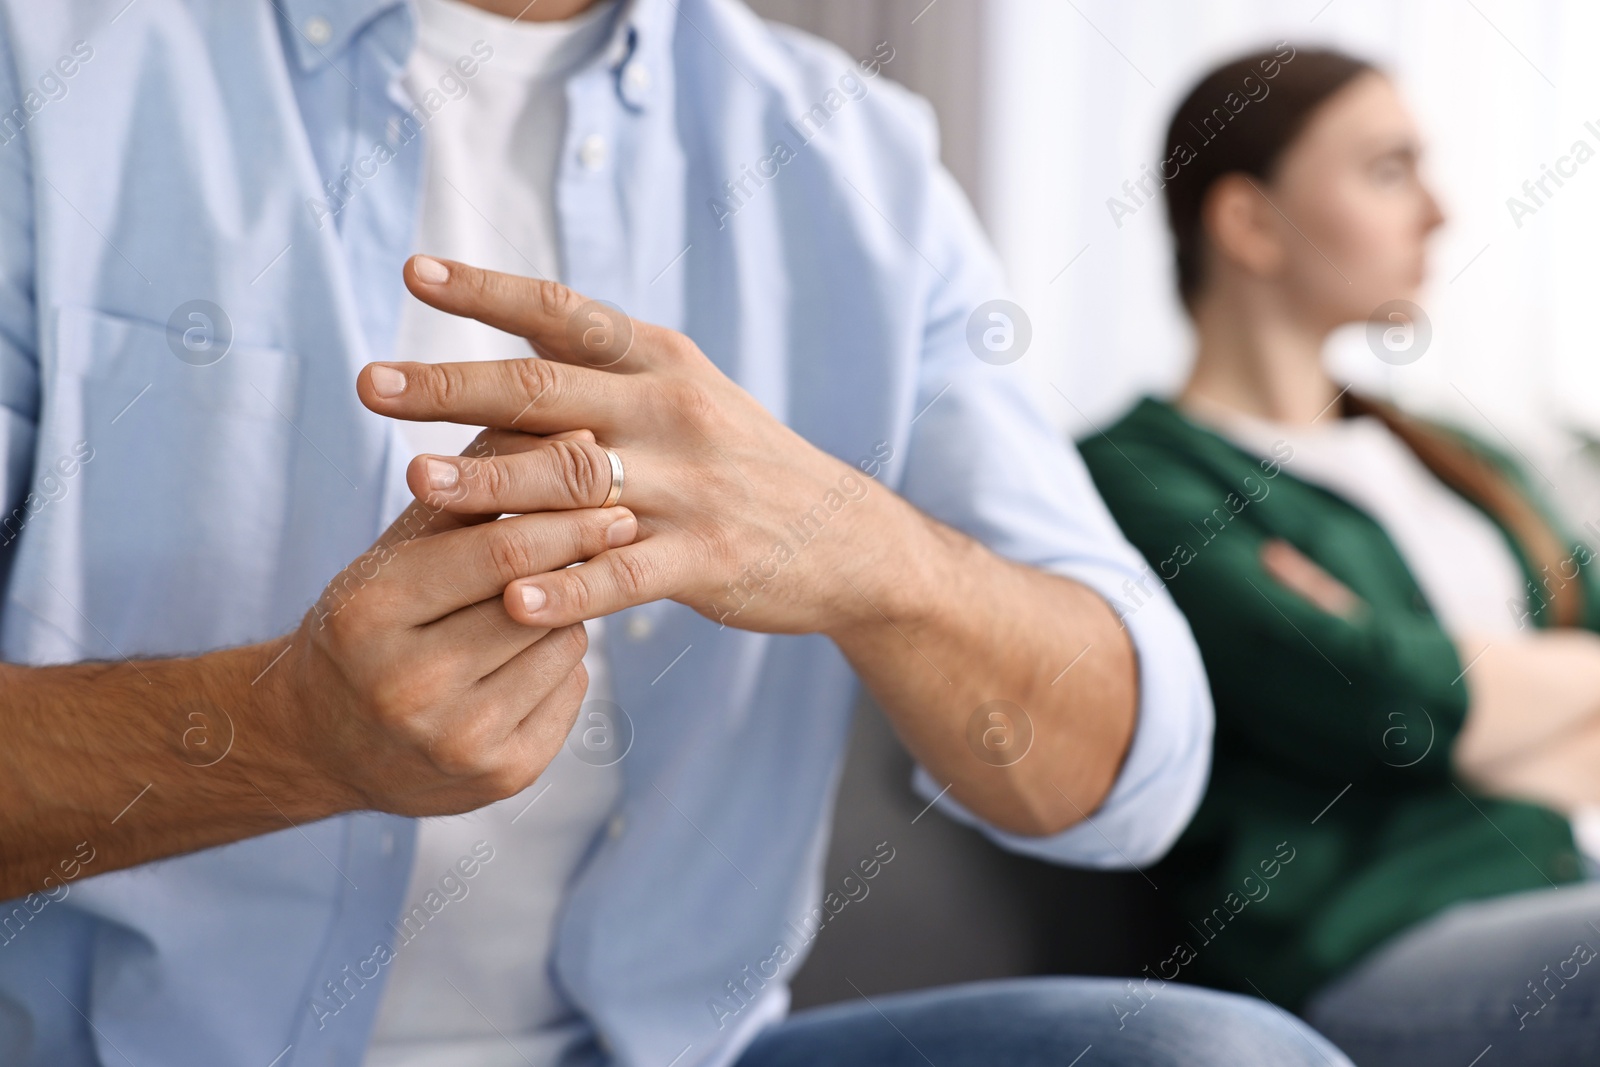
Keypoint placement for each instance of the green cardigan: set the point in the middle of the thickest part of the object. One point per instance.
(1333, 819)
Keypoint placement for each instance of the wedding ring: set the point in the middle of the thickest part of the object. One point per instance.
(616, 477)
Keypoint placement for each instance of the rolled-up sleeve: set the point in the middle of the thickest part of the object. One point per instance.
(984, 458)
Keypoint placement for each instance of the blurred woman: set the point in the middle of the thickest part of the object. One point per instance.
(1398, 633)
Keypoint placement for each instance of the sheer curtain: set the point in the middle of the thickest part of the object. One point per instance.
(1050, 106)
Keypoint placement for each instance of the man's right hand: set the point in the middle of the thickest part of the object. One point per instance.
(407, 689)
(410, 687)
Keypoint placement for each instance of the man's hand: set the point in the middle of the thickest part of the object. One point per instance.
(406, 689)
(740, 518)
(746, 522)
(410, 686)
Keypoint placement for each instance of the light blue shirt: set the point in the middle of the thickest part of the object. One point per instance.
(263, 157)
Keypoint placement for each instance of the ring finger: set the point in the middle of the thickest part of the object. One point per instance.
(555, 476)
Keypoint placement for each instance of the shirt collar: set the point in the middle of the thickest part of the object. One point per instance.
(319, 30)
(638, 51)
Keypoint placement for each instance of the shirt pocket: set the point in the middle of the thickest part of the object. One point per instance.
(166, 538)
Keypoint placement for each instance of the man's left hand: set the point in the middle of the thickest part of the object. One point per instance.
(739, 517)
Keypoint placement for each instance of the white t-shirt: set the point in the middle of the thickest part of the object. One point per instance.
(470, 981)
(1458, 556)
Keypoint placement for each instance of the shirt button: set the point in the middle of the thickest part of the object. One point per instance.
(637, 77)
(640, 627)
(616, 826)
(592, 153)
(318, 30)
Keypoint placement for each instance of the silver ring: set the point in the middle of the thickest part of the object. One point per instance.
(616, 477)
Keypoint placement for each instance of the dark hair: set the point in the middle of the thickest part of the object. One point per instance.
(1241, 117)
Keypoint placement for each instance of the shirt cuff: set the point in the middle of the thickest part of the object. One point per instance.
(1169, 759)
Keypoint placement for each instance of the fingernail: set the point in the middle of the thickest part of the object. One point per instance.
(430, 270)
(387, 382)
(532, 598)
(622, 529)
(441, 475)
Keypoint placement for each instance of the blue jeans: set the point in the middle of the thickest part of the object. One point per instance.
(1033, 1022)
(1513, 980)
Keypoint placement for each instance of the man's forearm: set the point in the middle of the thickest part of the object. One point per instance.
(961, 640)
(133, 761)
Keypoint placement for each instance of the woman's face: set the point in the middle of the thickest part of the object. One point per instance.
(1354, 212)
